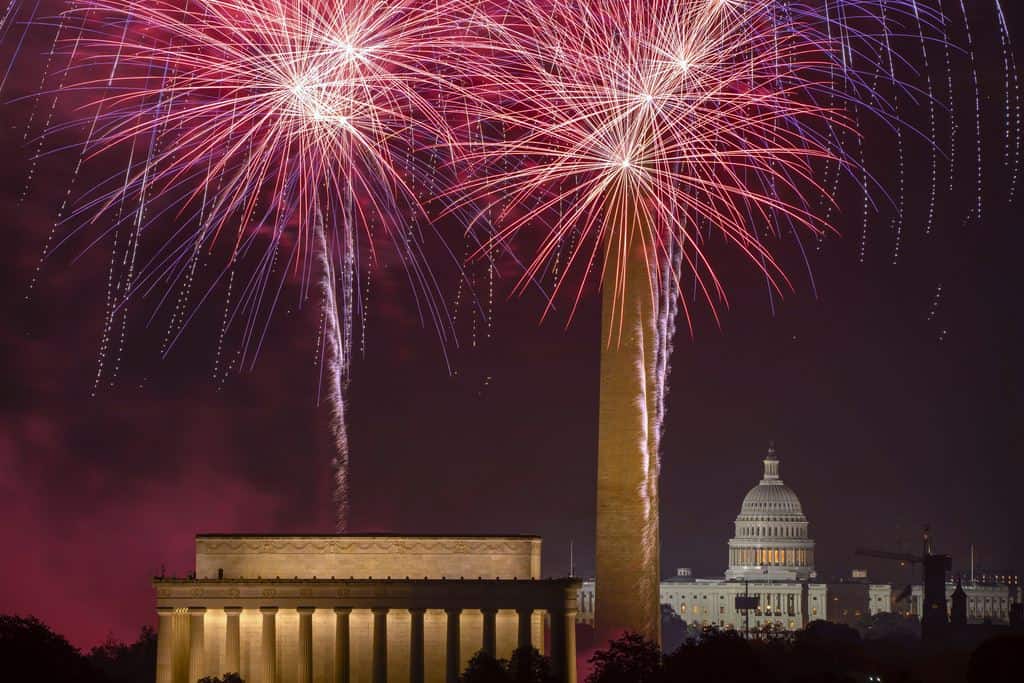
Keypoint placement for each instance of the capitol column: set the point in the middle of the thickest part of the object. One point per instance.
(165, 645)
(563, 644)
(490, 631)
(268, 645)
(233, 640)
(525, 627)
(453, 661)
(305, 644)
(341, 644)
(196, 643)
(380, 644)
(416, 669)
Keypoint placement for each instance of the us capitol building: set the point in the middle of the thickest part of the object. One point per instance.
(771, 556)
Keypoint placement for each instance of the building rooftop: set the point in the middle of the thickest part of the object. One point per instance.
(375, 535)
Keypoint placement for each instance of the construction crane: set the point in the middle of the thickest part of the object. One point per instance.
(934, 617)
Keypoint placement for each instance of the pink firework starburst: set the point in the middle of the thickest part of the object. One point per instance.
(273, 113)
(644, 122)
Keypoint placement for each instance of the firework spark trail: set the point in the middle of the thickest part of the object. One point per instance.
(1012, 121)
(5, 27)
(9, 11)
(336, 363)
(668, 311)
(979, 172)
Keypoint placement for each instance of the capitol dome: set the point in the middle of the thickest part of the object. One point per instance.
(771, 539)
(767, 497)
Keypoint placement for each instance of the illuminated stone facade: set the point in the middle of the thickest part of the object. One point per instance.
(359, 609)
(785, 606)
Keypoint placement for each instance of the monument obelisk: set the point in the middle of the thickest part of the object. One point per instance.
(627, 544)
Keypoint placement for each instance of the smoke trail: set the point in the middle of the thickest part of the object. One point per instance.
(667, 313)
(336, 363)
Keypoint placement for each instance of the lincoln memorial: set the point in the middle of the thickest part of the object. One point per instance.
(360, 609)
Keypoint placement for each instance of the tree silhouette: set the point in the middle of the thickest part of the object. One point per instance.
(31, 651)
(123, 663)
(484, 668)
(629, 659)
(527, 665)
(228, 678)
(719, 656)
(997, 660)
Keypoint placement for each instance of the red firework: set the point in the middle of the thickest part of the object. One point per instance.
(269, 115)
(650, 121)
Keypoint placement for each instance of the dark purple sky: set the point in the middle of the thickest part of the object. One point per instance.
(886, 417)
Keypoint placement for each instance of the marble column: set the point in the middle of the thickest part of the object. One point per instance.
(490, 636)
(165, 645)
(180, 649)
(341, 644)
(196, 643)
(268, 645)
(453, 660)
(233, 641)
(380, 644)
(416, 670)
(305, 654)
(525, 627)
(563, 645)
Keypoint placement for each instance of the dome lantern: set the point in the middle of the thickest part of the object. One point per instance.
(771, 465)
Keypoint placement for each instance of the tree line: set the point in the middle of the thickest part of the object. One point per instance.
(823, 652)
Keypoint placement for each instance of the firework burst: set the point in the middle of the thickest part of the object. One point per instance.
(659, 123)
(298, 133)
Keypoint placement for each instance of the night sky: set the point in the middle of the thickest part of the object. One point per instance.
(890, 408)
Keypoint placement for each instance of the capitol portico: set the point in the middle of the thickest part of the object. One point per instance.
(359, 609)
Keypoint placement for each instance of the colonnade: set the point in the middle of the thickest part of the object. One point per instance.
(779, 557)
(176, 666)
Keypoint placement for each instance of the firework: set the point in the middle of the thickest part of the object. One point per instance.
(623, 134)
(295, 132)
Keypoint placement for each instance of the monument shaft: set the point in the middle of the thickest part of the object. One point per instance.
(627, 547)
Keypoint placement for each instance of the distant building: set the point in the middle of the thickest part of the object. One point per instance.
(852, 600)
(771, 556)
(985, 603)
